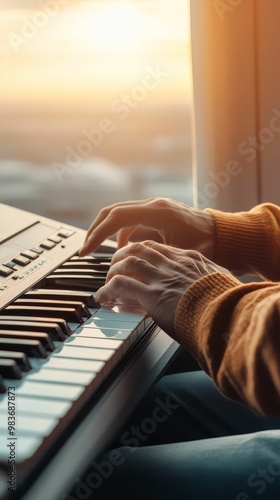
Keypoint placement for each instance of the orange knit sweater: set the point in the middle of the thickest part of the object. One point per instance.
(233, 329)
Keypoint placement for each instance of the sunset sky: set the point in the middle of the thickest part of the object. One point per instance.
(92, 48)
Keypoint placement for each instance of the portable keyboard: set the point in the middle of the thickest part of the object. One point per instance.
(71, 370)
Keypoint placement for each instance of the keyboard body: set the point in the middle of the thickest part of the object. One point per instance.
(71, 370)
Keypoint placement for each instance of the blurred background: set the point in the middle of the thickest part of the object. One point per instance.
(95, 104)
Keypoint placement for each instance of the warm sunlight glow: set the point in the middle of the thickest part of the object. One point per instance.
(119, 27)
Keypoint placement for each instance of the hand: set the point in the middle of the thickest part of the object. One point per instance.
(155, 276)
(174, 223)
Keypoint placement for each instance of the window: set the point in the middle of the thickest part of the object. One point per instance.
(95, 101)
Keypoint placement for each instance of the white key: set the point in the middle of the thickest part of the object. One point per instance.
(25, 447)
(84, 353)
(74, 364)
(62, 377)
(107, 333)
(46, 390)
(92, 342)
(30, 425)
(38, 406)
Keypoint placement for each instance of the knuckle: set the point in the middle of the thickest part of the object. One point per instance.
(193, 254)
(118, 282)
(130, 262)
(135, 248)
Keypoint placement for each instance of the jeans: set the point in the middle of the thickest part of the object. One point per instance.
(188, 441)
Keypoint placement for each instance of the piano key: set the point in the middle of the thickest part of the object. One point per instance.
(79, 306)
(68, 392)
(57, 328)
(25, 447)
(62, 376)
(90, 342)
(19, 357)
(70, 314)
(73, 364)
(29, 347)
(38, 406)
(109, 333)
(2, 387)
(94, 275)
(90, 266)
(84, 353)
(10, 369)
(44, 338)
(70, 295)
(102, 259)
(77, 282)
(33, 425)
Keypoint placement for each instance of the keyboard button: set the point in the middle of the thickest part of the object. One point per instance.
(21, 260)
(65, 233)
(38, 250)
(55, 239)
(5, 271)
(47, 245)
(30, 254)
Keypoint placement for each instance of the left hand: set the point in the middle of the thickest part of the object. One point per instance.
(155, 276)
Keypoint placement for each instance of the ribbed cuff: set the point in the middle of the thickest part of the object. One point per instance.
(194, 303)
(242, 240)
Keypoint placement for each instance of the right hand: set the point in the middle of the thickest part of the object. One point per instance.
(175, 224)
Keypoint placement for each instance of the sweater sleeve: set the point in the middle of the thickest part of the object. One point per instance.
(233, 330)
(249, 242)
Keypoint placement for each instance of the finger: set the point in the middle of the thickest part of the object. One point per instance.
(124, 235)
(119, 217)
(149, 251)
(136, 268)
(107, 210)
(123, 287)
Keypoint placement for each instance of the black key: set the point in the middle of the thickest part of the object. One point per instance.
(32, 348)
(91, 259)
(81, 308)
(77, 282)
(95, 275)
(69, 295)
(19, 357)
(54, 312)
(2, 387)
(56, 328)
(10, 369)
(99, 267)
(43, 337)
